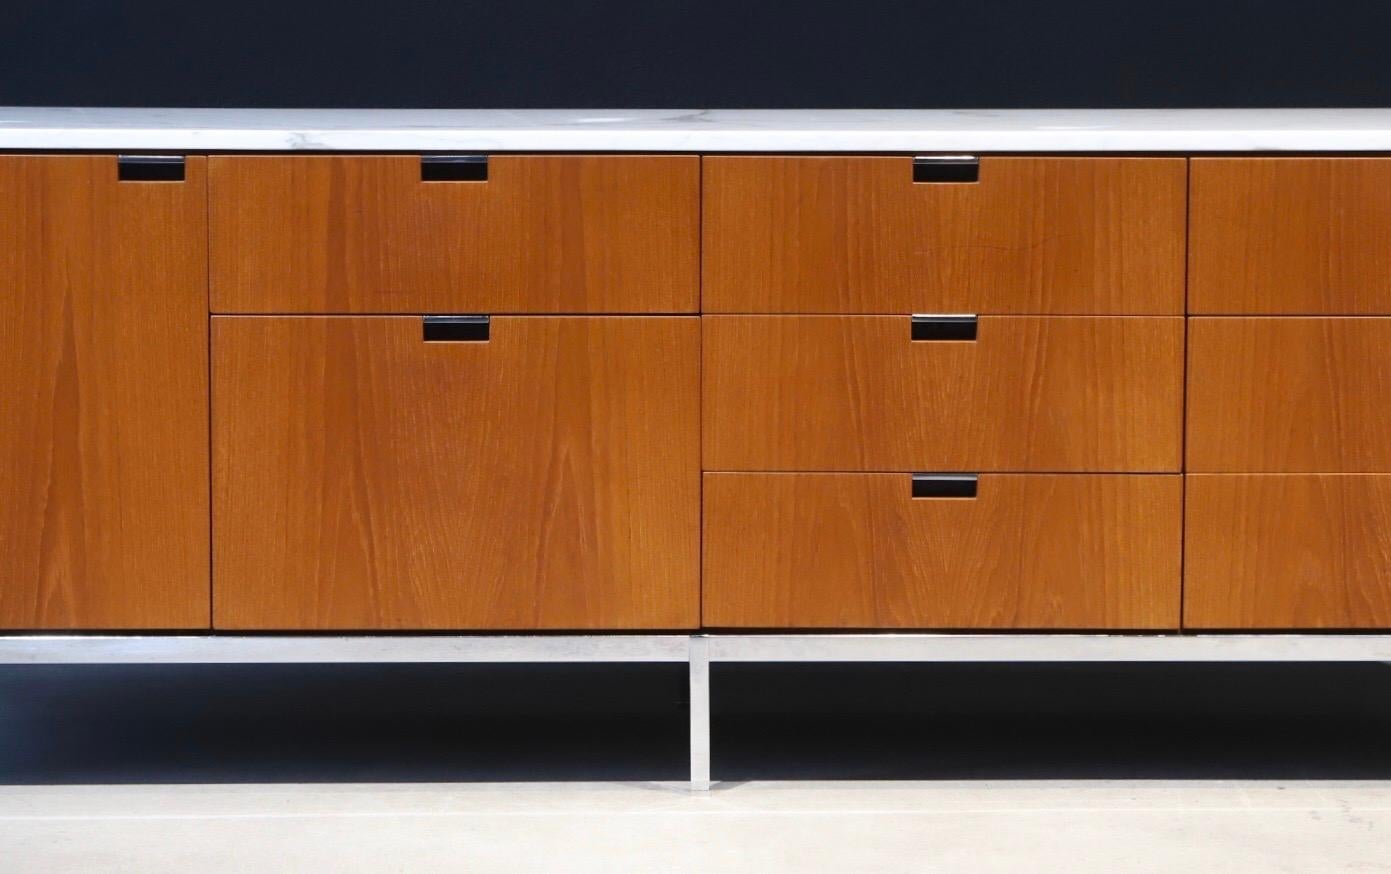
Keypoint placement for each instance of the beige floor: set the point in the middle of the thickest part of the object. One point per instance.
(1226, 827)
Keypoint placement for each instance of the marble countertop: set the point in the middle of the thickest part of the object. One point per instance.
(712, 130)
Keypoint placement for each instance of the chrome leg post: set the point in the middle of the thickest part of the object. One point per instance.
(700, 713)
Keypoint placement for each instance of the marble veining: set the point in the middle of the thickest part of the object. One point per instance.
(692, 130)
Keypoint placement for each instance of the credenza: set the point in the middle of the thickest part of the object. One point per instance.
(694, 386)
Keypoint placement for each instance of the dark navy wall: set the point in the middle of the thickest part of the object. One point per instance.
(708, 53)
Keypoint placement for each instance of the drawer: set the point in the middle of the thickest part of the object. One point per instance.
(855, 393)
(859, 551)
(859, 235)
(547, 478)
(1287, 551)
(1289, 395)
(1291, 236)
(366, 234)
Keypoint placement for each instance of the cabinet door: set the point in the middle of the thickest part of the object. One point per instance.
(103, 393)
(369, 234)
(1287, 551)
(857, 393)
(548, 478)
(1074, 551)
(1289, 395)
(1290, 236)
(1058, 236)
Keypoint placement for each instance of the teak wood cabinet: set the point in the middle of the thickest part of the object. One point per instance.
(622, 392)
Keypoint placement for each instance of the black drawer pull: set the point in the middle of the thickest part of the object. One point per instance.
(454, 168)
(456, 329)
(150, 168)
(944, 327)
(946, 168)
(944, 485)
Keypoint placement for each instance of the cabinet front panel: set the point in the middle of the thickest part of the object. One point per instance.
(858, 551)
(1290, 236)
(855, 393)
(103, 397)
(547, 478)
(1287, 551)
(544, 234)
(1289, 395)
(858, 235)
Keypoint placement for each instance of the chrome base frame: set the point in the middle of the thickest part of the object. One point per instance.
(698, 651)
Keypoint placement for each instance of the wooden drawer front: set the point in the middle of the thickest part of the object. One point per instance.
(356, 234)
(546, 478)
(855, 393)
(1291, 236)
(857, 551)
(858, 235)
(103, 397)
(1289, 395)
(1284, 551)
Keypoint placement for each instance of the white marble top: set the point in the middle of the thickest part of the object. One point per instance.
(712, 130)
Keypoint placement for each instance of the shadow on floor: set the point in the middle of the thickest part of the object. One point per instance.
(407, 723)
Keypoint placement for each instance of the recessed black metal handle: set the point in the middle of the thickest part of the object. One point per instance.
(946, 168)
(937, 327)
(456, 329)
(150, 168)
(945, 485)
(453, 168)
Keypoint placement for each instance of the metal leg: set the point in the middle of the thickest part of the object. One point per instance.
(700, 713)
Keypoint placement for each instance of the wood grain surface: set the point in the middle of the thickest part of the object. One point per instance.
(1289, 395)
(857, 235)
(1290, 236)
(545, 479)
(857, 551)
(103, 396)
(363, 234)
(855, 393)
(1287, 551)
